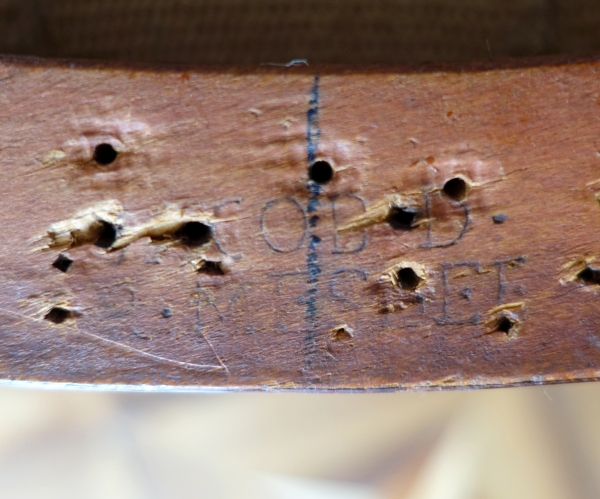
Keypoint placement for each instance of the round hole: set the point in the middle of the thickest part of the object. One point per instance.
(194, 233)
(408, 278)
(105, 154)
(589, 275)
(402, 218)
(320, 172)
(504, 325)
(107, 235)
(456, 188)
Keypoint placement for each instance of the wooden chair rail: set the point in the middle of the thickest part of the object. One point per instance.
(299, 227)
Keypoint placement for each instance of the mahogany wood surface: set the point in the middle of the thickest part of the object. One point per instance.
(160, 227)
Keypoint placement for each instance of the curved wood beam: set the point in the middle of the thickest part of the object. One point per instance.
(299, 227)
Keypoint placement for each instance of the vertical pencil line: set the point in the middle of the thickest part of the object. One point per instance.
(313, 133)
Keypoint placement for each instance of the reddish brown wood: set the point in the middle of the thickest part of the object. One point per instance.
(222, 266)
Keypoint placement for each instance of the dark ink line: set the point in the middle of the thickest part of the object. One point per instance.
(263, 227)
(446, 319)
(501, 264)
(363, 243)
(313, 134)
(339, 272)
(430, 244)
(121, 258)
(237, 201)
(114, 311)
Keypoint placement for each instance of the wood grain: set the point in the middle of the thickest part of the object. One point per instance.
(161, 230)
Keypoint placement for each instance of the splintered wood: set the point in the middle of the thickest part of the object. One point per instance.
(299, 228)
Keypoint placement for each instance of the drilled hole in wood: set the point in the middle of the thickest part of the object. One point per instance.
(62, 263)
(505, 322)
(589, 275)
(107, 235)
(58, 315)
(212, 267)
(105, 154)
(408, 278)
(320, 172)
(194, 233)
(402, 218)
(504, 325)
(456, 188)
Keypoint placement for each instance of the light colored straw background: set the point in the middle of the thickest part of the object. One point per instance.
(530, 443)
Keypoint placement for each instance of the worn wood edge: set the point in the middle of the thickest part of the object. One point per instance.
(304, 67)
(207, 389)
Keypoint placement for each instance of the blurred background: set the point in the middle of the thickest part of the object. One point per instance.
(540, 442)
